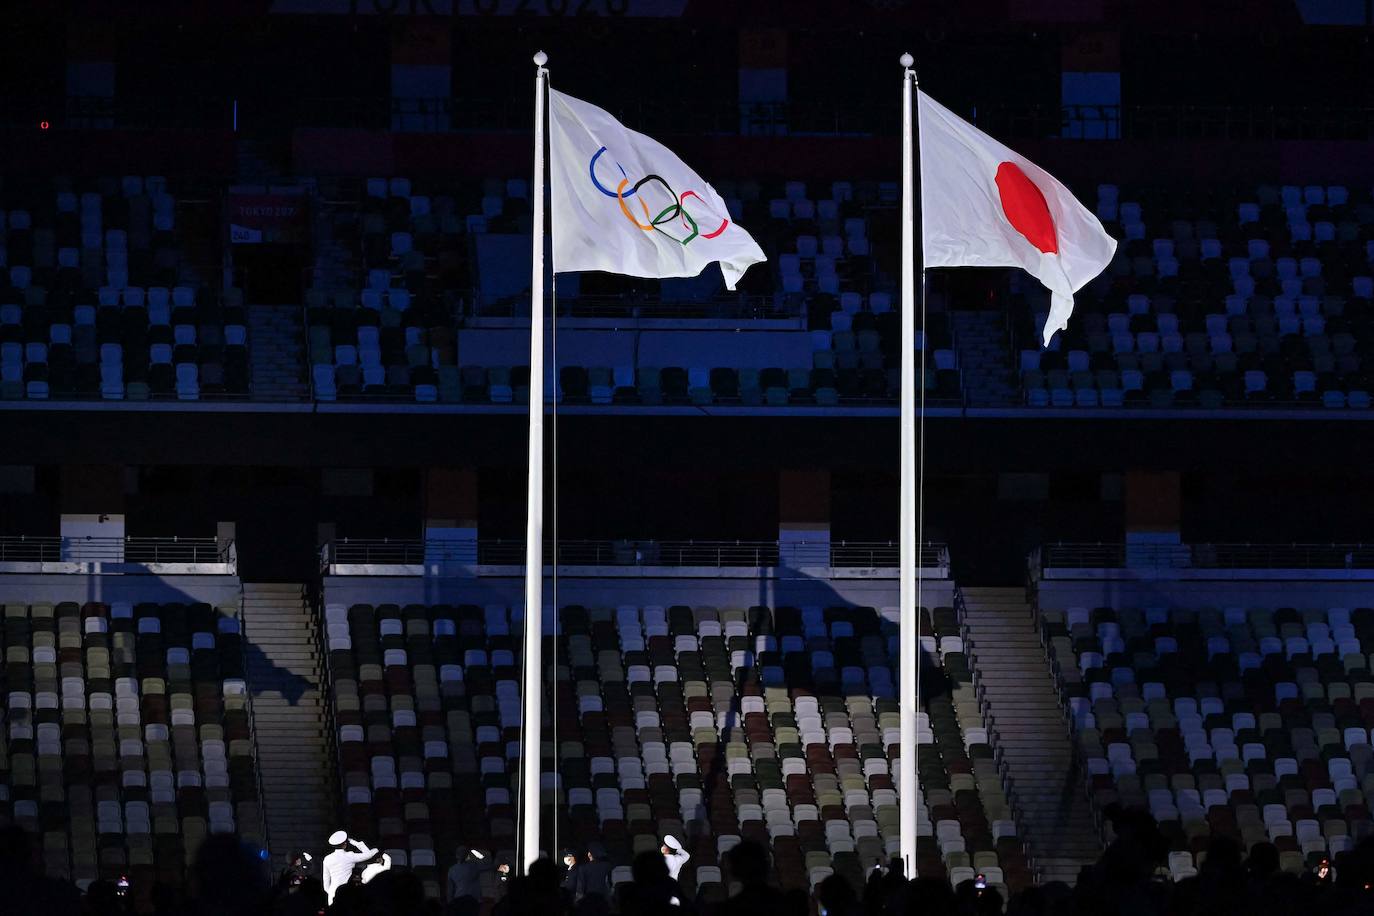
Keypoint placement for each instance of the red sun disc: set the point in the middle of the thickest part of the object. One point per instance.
(1025, 207)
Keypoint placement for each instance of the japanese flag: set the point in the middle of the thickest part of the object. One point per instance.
(983, 205)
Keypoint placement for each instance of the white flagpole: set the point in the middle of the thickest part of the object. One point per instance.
(534, 530)
(909, 624)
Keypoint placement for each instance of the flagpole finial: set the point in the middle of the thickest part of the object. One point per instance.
(906, 60)
(540, 58)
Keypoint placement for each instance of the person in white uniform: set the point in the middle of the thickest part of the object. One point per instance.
(674, 855)
(374, 868)
(337, 867)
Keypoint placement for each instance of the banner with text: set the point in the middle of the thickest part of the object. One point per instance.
(275, 218)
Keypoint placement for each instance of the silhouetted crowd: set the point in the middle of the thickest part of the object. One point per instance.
(229, 878)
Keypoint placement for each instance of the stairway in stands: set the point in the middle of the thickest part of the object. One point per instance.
(334, 230)
(260, 158)
(276, 359)
(285, 679)
(1027, 727)
(980, 339)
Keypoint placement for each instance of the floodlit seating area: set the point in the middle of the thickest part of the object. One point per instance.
(126, 736)
(1248, 722)
(1259, 298)
(97, 300)
(712, 724)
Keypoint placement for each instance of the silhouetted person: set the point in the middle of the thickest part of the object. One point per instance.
(876, 889)
(350, 900)
(298, 891)
(536, 893)
(928, 896)
(297, 869)
(106, 898)
(396, 892)
(228, 878)
(594, 875)
(304, 899)
(973, 900)
(651, 890)
(572, 865)
(796, 902)
(1121, 881)
(21, 878)
(1033, 901)
(465, 875)
(165, 899)
(836, 898)
(1264, 861)
(592, 905)
(747, 863)
(884, 890)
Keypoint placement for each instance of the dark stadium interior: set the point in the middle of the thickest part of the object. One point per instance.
(265, 401)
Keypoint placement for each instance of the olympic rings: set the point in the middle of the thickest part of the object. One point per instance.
(676, 211)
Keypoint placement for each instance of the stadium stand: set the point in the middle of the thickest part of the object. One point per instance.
(777, 725)
(1247, 722)
(385, 324)
(1259, 298)
(127, 739)
(98, 299)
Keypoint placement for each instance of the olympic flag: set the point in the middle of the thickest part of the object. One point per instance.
(626, 204)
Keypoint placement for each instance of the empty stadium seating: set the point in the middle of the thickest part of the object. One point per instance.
(711, 724)
(97, 300)
(1249, 722)
(1260, 298)
(392, 334)
(126, 736)
(386, 328)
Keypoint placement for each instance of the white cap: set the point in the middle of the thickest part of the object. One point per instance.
(337, 837)
(671, 841)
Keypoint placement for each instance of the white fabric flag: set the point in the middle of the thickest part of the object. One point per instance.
(625, 204)
(984, 205)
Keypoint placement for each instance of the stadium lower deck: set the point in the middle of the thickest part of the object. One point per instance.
(138, 723)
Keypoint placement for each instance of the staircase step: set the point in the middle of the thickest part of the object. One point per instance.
(285, 678)
(277, 370)
(1018, 701)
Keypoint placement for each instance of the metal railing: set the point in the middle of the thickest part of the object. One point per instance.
(499, 552)
(327, 698)
(23, 549)
(994, 736)
(253, 731)
(1203, 556)
(1056, 672)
